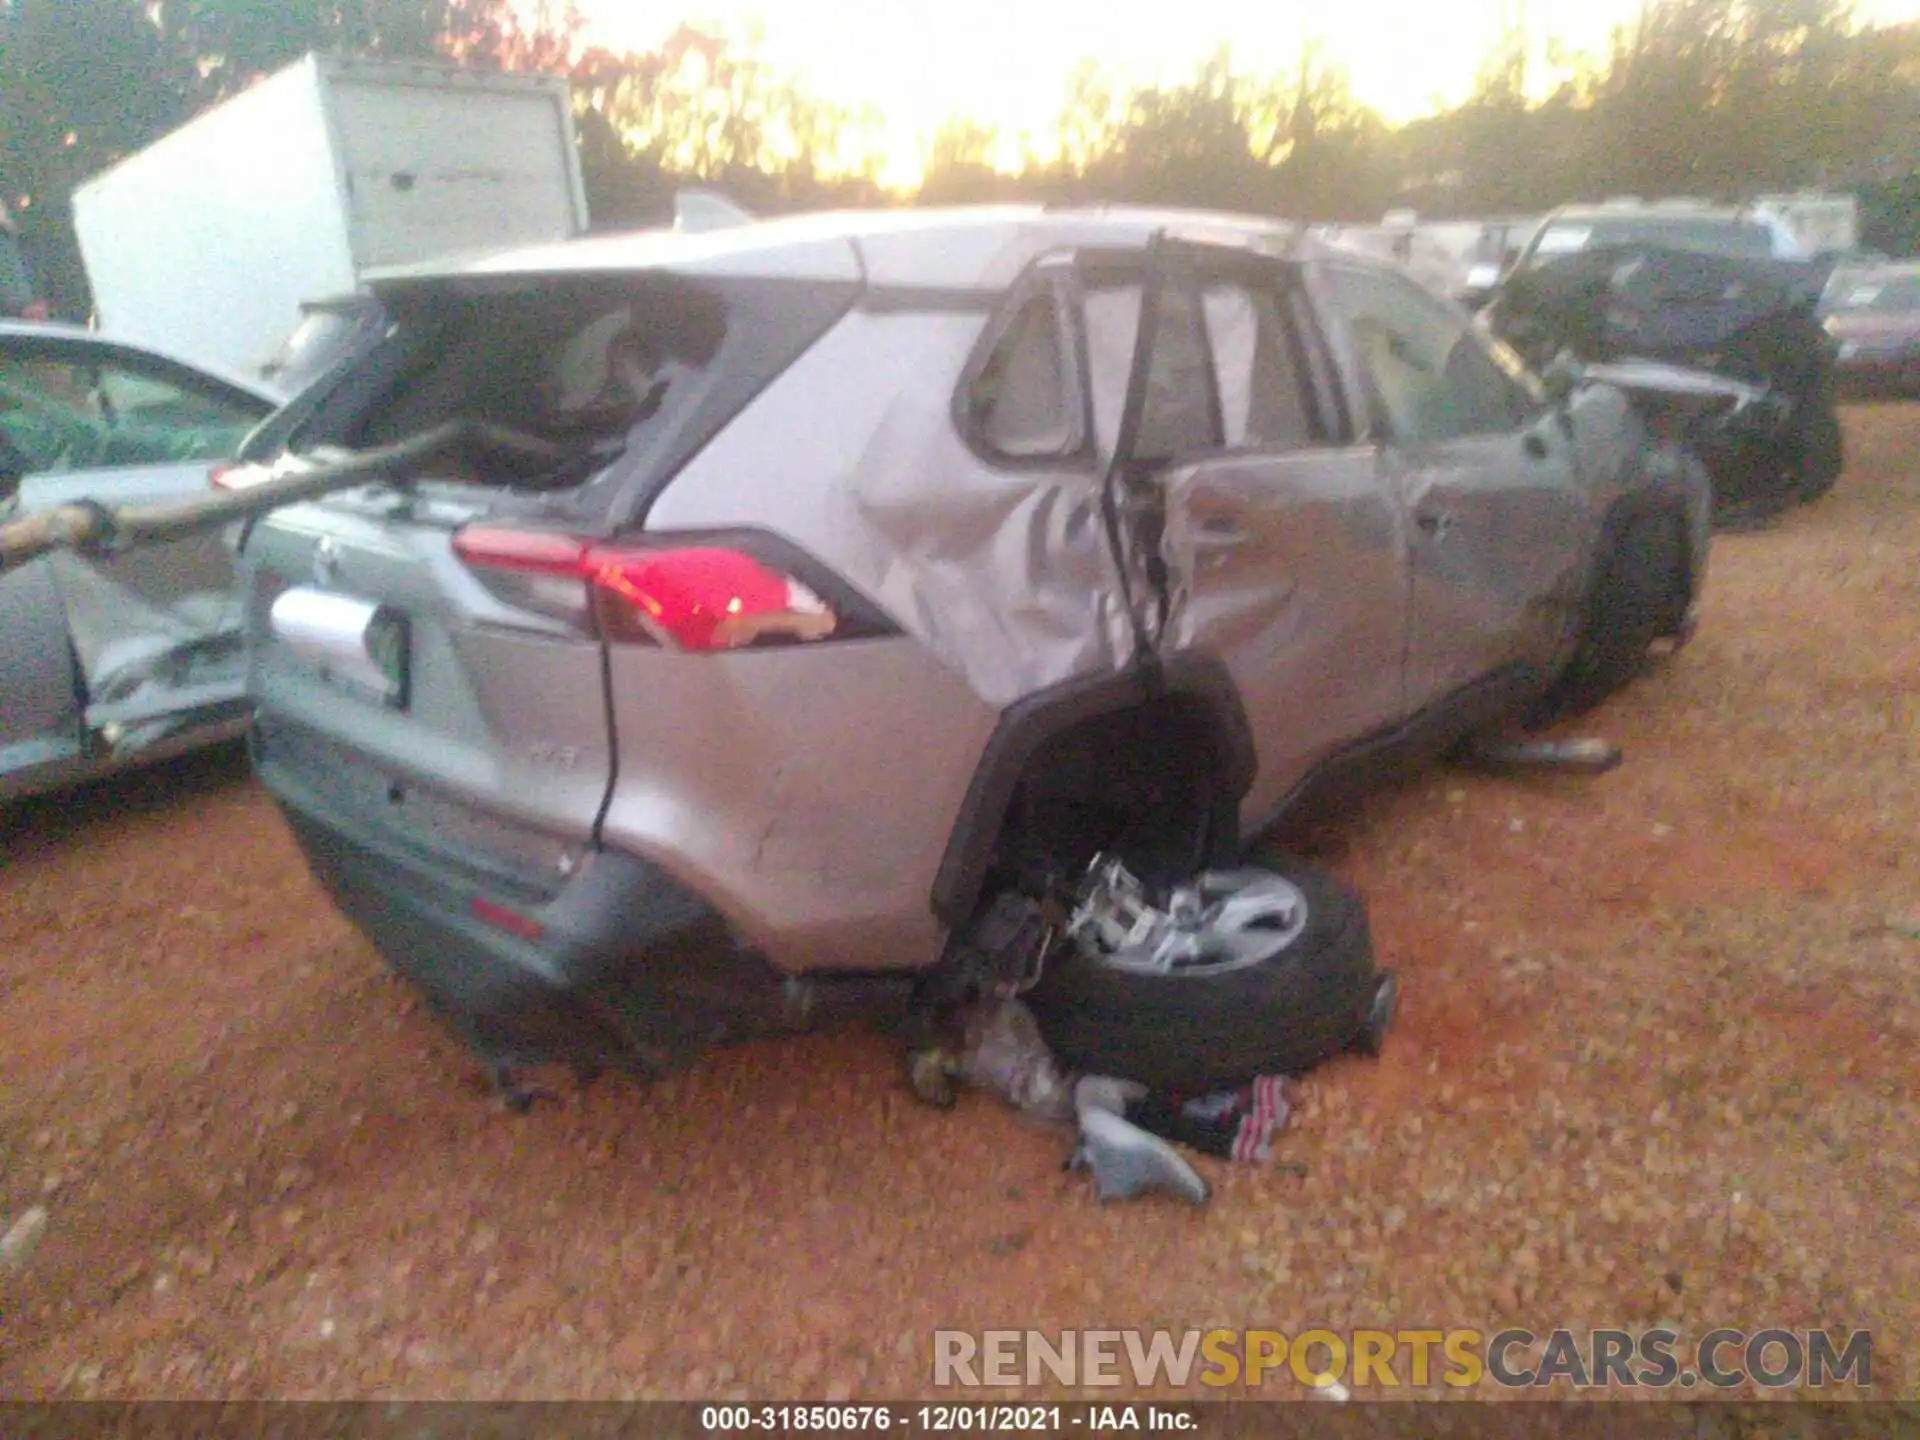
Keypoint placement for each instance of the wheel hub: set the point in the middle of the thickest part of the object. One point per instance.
(1220, 921)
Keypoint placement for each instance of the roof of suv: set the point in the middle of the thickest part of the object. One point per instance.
(961, 248)
(1640, 210)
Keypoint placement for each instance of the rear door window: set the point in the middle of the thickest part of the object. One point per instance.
(1180, 415)
(1229, 371)
(1257, 366)
(1019, 400)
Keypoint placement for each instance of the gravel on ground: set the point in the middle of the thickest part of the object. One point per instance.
(1656, 1061)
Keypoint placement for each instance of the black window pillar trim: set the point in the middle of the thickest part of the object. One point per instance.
(1156, 282)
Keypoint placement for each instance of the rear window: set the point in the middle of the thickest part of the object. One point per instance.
(644, 366)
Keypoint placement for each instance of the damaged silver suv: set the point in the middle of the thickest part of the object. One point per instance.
(725, 628)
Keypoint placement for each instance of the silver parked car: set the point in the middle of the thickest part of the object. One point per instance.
(860, 605)
(111, 660)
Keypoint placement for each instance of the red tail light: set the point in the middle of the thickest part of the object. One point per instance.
(704, 599)
(694, 597)
(500, 917)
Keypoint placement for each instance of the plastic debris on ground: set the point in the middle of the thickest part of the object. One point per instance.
(1124, 1129)
(1127, 1161)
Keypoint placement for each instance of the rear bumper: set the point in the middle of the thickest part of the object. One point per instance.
(621, 967)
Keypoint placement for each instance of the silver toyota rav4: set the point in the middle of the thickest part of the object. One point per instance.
(893, 605)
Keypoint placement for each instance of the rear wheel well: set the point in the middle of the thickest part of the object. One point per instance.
(1146, 783)
(1153, 772)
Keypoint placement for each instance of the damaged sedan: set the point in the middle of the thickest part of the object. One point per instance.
(664, 639)
(107, 660)
(1725, 351)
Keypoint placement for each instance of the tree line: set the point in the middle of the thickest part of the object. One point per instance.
(1717, 98)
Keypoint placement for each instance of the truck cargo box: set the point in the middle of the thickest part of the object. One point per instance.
(207, 241)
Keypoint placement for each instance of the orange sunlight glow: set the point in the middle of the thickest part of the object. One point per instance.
(1005, 64)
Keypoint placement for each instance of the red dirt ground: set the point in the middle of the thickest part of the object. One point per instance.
(1656, 1061)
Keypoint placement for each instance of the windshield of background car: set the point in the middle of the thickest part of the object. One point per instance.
(1894, 295)
(645, 364)
(1734, 239)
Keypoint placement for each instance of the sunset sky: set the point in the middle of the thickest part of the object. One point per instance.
(1005, 62)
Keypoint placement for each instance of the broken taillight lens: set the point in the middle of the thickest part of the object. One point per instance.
(701, 598)
(238, 476)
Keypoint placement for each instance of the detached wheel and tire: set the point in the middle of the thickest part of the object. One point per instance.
(1285, 981)
(1634, 602)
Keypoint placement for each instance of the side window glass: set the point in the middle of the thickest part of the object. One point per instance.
(60, 415)
(1179, 415)
(1019, 399)
(1432, 376)
(1485, 399)
(150, 419)
(1262, 400)
(46, 414)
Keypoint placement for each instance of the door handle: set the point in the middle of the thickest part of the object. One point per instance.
(1434, 523)
(1535, 444)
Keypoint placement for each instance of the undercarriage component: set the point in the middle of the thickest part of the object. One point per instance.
(1575, 757)
(1004, 1052)
(1002, 951)
(1221, 920)
(933, 1074)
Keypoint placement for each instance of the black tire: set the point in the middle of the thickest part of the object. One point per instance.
(1636, 600)
(1822, 450)
(1191, 1034)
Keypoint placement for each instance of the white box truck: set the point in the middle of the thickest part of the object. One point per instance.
(206, 242)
